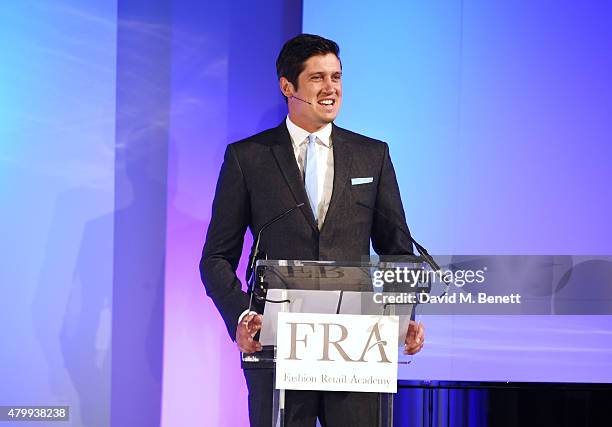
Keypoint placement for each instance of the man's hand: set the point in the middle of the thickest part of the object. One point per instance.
(415, 338)
(246, 330)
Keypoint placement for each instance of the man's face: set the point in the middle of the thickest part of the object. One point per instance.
(320, 84)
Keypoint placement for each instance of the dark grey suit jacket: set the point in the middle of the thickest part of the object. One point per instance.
(260, 179)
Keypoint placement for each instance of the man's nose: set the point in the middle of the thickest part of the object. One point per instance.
(329, 86)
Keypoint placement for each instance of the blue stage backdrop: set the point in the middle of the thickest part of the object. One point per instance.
(497, 118)
(57, 154)
(115, 117)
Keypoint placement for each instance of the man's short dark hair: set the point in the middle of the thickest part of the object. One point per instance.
(295, 52)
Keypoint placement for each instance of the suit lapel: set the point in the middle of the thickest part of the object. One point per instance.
(282, 149)
(343, 158)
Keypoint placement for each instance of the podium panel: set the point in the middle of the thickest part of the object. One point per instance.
(317, 299)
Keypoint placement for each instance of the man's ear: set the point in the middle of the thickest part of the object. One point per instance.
(286, 87)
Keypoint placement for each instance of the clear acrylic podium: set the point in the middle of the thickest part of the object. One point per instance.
(329, 287)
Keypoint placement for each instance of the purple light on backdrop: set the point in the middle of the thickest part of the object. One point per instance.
(223, 88)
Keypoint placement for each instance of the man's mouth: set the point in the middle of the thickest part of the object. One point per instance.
(327, 102)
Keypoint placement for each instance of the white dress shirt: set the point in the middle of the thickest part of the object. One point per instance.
(325, 160)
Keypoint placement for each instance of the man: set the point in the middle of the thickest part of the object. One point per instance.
(336, 174)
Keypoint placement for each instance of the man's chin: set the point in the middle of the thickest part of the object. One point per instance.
(328, 118)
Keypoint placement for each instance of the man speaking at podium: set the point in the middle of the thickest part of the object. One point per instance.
(336, 174)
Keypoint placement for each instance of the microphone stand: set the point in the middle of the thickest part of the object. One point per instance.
(422, 251)
(250, 275)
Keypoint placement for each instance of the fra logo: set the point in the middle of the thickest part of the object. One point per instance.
(374, 346)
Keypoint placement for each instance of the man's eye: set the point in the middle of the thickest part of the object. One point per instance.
(316, 78)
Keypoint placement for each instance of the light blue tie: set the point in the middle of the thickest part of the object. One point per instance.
(312, 175)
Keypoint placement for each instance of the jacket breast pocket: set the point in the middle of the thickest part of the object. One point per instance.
(364, 194)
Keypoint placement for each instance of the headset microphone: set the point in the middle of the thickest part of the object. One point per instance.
(300, 99)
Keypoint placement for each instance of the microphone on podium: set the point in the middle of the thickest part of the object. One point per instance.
(422, 251)
(255, 251)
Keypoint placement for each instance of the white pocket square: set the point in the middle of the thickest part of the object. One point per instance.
(359, 181)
